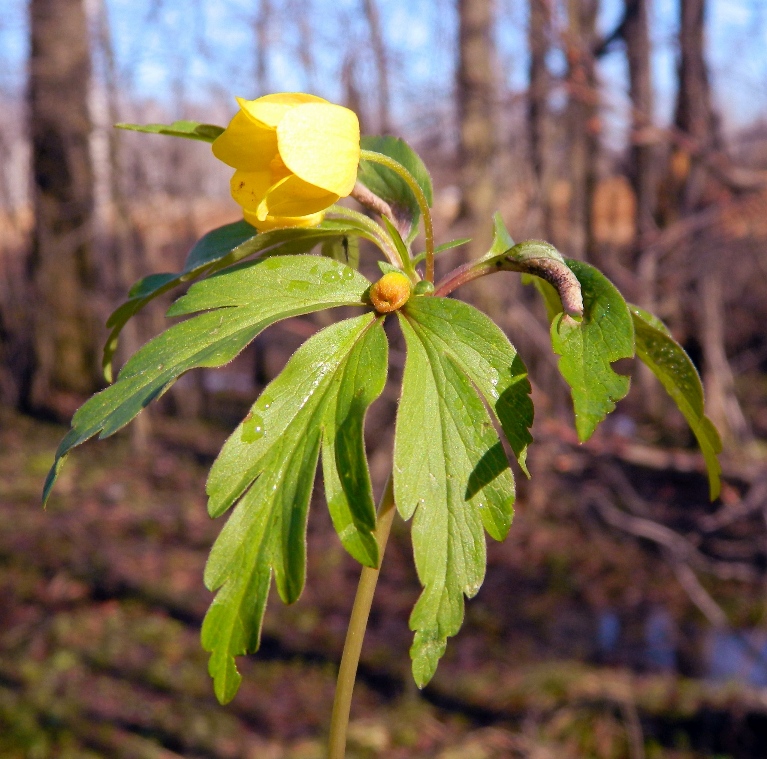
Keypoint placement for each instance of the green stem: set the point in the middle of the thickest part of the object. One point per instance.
(355, 633)
(428, 229)
(377, 233)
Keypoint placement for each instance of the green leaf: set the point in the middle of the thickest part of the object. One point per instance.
(344, 249)
(318, 401)
(502, 240)
(676, 372)
(450, 470)
(191, 130)
(587, 348)
(389, 186)
(442, 248)
(255, 294)
(216, 250)
(548, 292)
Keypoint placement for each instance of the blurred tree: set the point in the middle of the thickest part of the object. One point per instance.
(694, 118)
(582, 120)
(636, 33)
(539, 42)
(382, 69)
(475, 90)
(61, 266)
(690, 186)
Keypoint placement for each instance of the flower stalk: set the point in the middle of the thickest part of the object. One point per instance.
(355, 633)
(428, 227)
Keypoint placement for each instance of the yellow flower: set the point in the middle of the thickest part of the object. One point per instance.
(294, 154)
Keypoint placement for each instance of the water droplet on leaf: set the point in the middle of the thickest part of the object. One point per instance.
(252, 428)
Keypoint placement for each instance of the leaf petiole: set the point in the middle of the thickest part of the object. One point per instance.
(378, 235)
(428, 228)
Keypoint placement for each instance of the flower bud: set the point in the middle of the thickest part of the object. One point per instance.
(390, 292)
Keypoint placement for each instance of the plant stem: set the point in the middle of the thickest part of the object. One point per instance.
(428, 229)
(355, 633)
(377, 234)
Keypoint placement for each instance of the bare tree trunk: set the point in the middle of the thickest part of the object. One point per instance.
(685, 192)
(61, 266)
(113, 228)
(583, 121)
(382, 67)
(637, 37)
(721, 400)
(538, 36)
(693, 118)
(475, 89)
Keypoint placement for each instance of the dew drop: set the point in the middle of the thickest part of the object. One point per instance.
(347, 274)
(298, 285)
(252, 428)
(331, 276)
(265, 401)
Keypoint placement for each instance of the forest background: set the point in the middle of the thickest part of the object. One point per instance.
(625, 616)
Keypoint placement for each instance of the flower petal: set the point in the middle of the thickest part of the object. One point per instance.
(246, 144)
(293, 196)
(270, 109)
(250, 187)
(281, 222)
(320, 143)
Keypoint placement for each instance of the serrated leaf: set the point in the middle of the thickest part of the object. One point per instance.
(191, 130)
(672, 366)
(216, 250)
(450, 471)
(319, 400)
(485, 354)
(587, 348)
(254, 295)
(389, 186)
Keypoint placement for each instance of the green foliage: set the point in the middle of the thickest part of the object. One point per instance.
(223, 247)
(672, 366)
(450, 470)
(317, 402)
(238, 304)
(587, 348)
(191, 130)
(462, 378)
(385, 183)
(345, 249)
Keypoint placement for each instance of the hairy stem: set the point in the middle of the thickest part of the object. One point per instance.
(355, 633)
(428, 229)
(553, 270)
(376, 234)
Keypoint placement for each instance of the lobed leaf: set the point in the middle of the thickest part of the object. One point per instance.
(389, 186)
(672, 366)
(450, 471)
(238, 303)
(216, 250)
(191, 130)
(317, 402)
(588, 347)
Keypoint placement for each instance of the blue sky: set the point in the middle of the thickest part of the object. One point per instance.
(196, 51)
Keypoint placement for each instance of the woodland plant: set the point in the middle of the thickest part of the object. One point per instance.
(297, 252)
